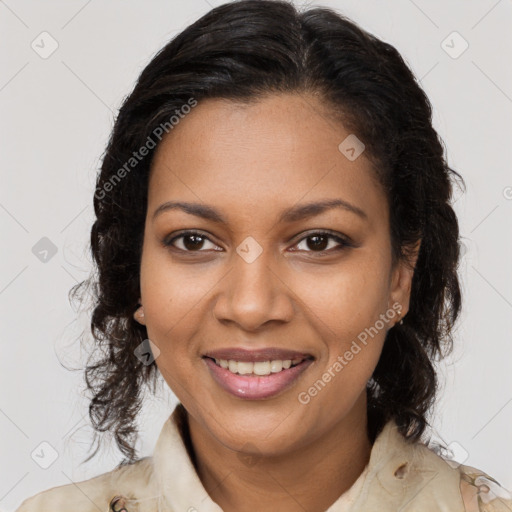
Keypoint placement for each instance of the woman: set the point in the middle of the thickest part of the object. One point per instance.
(274, 236)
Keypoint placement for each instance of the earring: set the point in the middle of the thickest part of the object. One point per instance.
(139, 314)
(401, 321)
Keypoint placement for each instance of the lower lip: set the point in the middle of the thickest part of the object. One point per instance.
(255, 387)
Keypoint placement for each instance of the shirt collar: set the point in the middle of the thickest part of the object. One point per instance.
(175, 473)
(183, 490)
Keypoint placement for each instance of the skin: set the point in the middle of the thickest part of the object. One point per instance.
(251, 162)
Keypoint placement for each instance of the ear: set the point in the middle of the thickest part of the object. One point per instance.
(401, 280)
(139, 314)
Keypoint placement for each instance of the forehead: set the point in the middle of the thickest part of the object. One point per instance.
(279, 150)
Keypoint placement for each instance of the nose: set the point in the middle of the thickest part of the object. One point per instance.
(253, 294)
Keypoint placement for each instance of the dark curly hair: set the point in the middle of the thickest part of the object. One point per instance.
(243, 51)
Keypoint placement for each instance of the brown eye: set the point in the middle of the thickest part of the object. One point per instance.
(193, 242)
(190, 241)
(319, 242)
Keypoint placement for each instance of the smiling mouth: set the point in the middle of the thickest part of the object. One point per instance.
(258, 368)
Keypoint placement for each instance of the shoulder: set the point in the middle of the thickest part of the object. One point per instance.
(481, 492)
(416, 477)
(478, 491)
(131, 482)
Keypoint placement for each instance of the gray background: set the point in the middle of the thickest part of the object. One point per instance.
(55, 117)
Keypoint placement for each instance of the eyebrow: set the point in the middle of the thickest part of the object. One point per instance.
(293, 214)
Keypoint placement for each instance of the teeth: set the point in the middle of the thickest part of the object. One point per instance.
(257, 368)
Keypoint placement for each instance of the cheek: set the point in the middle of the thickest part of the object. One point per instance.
(169, 292)
(346, 299)
(172, 303)
(346, 313)
(345, 307)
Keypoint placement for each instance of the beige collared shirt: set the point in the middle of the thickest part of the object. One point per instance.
(400, 476)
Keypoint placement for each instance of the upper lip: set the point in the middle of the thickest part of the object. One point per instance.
(263, 354)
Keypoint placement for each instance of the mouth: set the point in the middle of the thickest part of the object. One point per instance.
(259, 378)
(258, 368)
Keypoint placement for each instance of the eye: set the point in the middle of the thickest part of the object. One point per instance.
(190, 241)
(319, 242)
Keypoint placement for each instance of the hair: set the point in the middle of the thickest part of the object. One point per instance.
(243, 51)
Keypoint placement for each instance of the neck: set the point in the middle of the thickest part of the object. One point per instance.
(311, 478)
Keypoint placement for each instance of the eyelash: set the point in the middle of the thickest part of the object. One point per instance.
(343, 241)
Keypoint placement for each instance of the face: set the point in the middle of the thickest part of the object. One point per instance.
(314, 282)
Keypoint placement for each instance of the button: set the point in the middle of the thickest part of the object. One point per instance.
(117, 504)
(401, 471)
